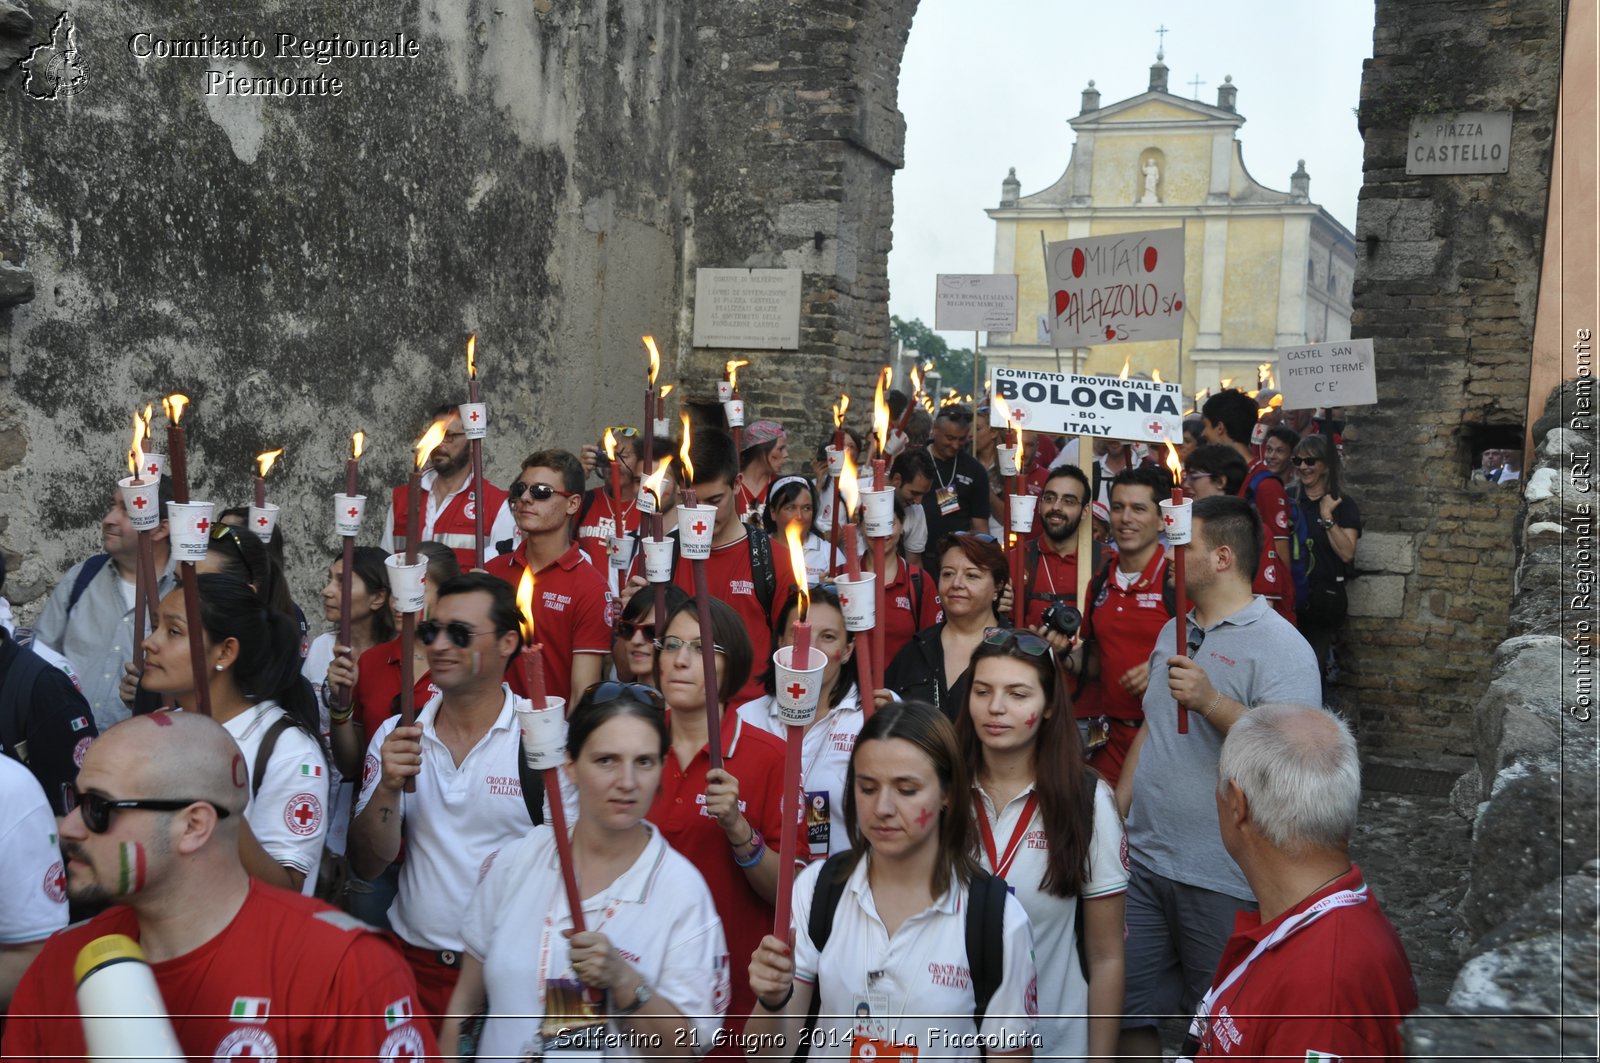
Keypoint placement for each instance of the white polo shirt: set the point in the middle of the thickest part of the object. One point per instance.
(458, 818)
(341, 791)
(658, 915)
(1062, 989)
(288, 812)
(33, 880)
(824, 758)
(921, 974)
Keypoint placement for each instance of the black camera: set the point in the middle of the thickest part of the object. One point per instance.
(1062, 618)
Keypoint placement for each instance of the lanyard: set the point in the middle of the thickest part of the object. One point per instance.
(953, 463)
(1002, 864)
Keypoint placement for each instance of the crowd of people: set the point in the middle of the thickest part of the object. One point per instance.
(1051, 827)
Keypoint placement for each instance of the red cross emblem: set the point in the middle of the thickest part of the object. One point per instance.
(698, 527)
(795, 690)
(473, 416)
(263, 521)
(203, 525)
(140, 502)
(1155, 428)
(1019, 415)
(1169, 519)
(153, 468)
(303, 813)
(354, 512)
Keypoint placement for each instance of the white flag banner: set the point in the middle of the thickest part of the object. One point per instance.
(1144, 410)
(1116, 289)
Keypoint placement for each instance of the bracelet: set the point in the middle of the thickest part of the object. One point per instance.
(340, 716)
(1209, 709)
(780, 1005)
(748, 840)
(755, 854)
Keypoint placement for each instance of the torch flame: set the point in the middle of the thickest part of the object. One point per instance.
(1228, 383)
(797, 562)
(611, 446)
(732, 366)
(916, 380)
(173, 405)
(839, 409)
(880, 413)
(1124, 374)
(136, 452)
(654, 482)
(1263, 411)
(358, 443)
(264, 462)
(430, 439)
(655, 358)
(1155, 376)
(1276, 403)
(1174, 465)
(849, 488)
(525, 604)
(472, 357)
(666, 389)
(683, 451)
(1264, 375)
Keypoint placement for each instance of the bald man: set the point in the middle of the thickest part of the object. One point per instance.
(1318, 972)
(246, 969)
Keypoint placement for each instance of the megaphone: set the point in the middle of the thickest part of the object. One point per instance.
(124, 1017)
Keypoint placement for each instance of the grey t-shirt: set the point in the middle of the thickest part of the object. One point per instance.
(1254, 657)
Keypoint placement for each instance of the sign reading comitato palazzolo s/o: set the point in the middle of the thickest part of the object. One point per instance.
(1126, 288)
(1476, 142)
(1143, 410)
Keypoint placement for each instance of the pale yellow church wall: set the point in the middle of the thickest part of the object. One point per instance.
(1028, 265)
(1250, 293)
(1119, 181)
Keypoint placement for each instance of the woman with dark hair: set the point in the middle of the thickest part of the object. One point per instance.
(933, 666)
(725, 820)
(234, 552)
(1053, 835)
(1332, 524)
(252, 657)
(766, 449)
(910, 596)
(653, 949)
(633, 637)
(793, 500)
(898, 942)
(831, 735)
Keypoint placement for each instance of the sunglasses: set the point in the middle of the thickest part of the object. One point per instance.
(221, 533)
(1026, 641)
(626, 630)
(537, 492)
(1305, 461)
(611, 690)
(621, 431)
(672, 645)
(96, 808)
(982, 537)
(457, 632)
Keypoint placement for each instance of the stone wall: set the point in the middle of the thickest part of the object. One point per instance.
(548, 175)
(1446, 285)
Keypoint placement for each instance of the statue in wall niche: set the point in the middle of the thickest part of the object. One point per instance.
(1152, 174)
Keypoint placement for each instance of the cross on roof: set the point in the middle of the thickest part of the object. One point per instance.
(1195, 84)
(1161, 40)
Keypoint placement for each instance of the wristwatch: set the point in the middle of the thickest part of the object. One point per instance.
(1325, 523)
(641, 997)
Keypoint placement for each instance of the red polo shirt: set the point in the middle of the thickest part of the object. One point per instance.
(1124, 625)
(1053, 574)
(755, 758)
(571, 614)
(1273, 579)
(1335, 987)
(908, 611)
(377, 693)
(729, 578)
(597, 526)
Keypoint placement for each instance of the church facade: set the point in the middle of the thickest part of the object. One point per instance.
(1263, 268)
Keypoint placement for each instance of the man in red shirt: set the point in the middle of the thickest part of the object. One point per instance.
(571, 599)
(1229, 417)
(450, 500)
(245, 969)
(1050, 573)
(599, 515)
(1128, 606)
(1319, 972)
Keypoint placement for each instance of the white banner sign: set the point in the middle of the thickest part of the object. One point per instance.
(1116, 289)
(757, 309)
(1337, 373)
(974, 302)
(1141, 410)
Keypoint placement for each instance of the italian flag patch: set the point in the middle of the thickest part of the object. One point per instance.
(313, 771)
(397, 1014)
(250, 1009)
(1313, 1056)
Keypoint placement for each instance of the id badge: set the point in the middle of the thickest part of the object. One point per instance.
(817, 823)
(872, 1050)
(948, 502)
(872, 1021)
(574, 1030)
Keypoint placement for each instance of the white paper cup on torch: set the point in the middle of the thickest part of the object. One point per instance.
(857, 602)
(143, 503)
(658, 560)
(619, 551)
(263, 520)
(1178, 520)
(897, 442)
(734, 408)
(835, 462)
(474, 419)
(878, 513)
(191, 529)
(154, 467)
(406, 583)
(348, 510)
(1008, 460)
(1258, 434)
(695, 524)
(1022, 507)
(724, 390)
(544, 732)
(798, 690)
(663, 427)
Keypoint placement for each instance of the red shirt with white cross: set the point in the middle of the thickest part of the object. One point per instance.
(571, 614)
(1124, 624)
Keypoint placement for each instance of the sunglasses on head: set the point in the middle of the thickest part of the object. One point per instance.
(611, 690)
(96, 809)
(457, 632)
(626, 629)
(1026, 641)
(1298, 460)
(537, 492)
(982, 537)
(621, 431)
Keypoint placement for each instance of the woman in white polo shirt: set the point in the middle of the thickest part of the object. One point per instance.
(1054, 836)
(651, 955)
(895, 973)
(831, 735)
(252, 659)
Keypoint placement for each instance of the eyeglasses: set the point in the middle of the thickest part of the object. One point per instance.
(96, 808)
(1188, 476)
(1305, 461)
(537, 492)
(626, 630)
(428, 632)
(611, 690)
(1026, 641)
(621, 431)
(672, 645)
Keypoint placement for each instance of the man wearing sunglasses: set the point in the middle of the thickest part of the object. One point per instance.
(246, 970)
(465, 754)
(571, 598)
(450, 500)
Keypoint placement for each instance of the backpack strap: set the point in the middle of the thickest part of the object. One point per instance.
(986, 920)
(914, 581)
(532, 788)
(91, 568)
(269, 742)
(824, 902)
(763, 574)
(1030, 572)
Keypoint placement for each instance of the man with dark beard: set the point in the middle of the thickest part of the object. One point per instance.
(1050, 563)
(450, 500)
